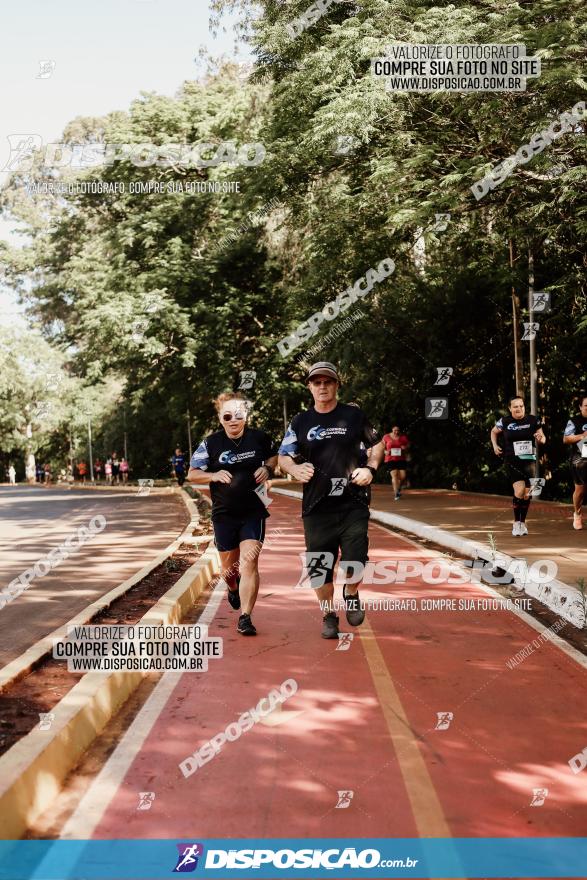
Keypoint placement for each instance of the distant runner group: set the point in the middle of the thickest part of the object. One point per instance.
(334, 451)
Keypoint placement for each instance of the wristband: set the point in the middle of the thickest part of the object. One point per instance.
(270, 471)
(372, 469)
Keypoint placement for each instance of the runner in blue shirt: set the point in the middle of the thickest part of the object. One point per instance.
(178, 465)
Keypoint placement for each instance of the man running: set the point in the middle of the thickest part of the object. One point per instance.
(235, 461)
(178, 465)
(575, 436)
(329, 441)
(519, 431)
(396, 444)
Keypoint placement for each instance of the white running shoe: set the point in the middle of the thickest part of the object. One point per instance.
(516, 529)
(523, 529)
(577, 520)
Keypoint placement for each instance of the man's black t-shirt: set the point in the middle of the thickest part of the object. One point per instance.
(576, 425)
(242, 457)
(518, 436)
(332, 443)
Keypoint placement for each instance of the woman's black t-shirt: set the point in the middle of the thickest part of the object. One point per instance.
(242, 457)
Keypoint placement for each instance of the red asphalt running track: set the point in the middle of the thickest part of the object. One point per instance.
(364, 720)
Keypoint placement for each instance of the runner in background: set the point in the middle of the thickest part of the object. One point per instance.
(178, 465)
(115, 468)
(396, 445)
(82, 470)
(98, 468)
(124, 469)
(575, 437)
(108, 471)
(235, 461)
(334, 451)
(520, 432)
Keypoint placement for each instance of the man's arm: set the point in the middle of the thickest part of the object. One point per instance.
(289, 447)
(573, 438)
(303, 473)
(363, 476)
(375, 455)
(495, 432)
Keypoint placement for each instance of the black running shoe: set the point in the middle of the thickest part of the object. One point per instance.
(245, 625)
(330, 626)
(234, 599)
(354, 613)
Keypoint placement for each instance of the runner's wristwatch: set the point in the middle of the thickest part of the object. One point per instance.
(372, 469)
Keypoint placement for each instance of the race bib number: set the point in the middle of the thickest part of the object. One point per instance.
(584, 449)
(523, 447)
(397, 452)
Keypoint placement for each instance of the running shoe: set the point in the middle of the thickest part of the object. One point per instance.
(523, 529)
(577, 520)
(234, 599)
(330, 626)
(398, 495)
(245, 625)
(516, 529)
(354, 613)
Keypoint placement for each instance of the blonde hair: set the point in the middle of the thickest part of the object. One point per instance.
(231, 395)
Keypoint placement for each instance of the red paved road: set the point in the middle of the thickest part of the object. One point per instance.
(33, 521)
(367, 723)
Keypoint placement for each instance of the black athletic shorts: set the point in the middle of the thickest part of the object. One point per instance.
(579, 471)
(228, 533)
(345, 530)
(396, 465)
(519, 469)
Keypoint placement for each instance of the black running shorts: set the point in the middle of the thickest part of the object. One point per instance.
(345, 530)
(519, 469)
(229, 533)
(579, 471)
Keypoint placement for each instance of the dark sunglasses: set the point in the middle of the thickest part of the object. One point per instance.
(228, 417)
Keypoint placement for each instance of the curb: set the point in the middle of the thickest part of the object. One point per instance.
(34, 769)
(556, 595)
(23, 664)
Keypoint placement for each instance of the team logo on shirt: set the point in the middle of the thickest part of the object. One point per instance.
(320, 433)
(230, 457)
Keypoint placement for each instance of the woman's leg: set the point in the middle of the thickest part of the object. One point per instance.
(395, 481)
(229, 567)
(249, 571)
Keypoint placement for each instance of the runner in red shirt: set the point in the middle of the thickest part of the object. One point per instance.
(395, 445)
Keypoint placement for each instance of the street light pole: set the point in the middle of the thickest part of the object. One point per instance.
(124, 423)
(90, 446)
(532, 339)
(189, 433)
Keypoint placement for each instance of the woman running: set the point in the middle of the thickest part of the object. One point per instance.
(236, 461)
(519, 431)
(395, 445)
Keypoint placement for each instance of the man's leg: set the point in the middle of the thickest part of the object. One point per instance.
(321, 533)
(578, 498)
(354, 551)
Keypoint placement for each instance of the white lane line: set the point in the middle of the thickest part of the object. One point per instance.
(83, 822)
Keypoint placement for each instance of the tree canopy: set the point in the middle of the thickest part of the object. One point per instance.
(173, 294)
